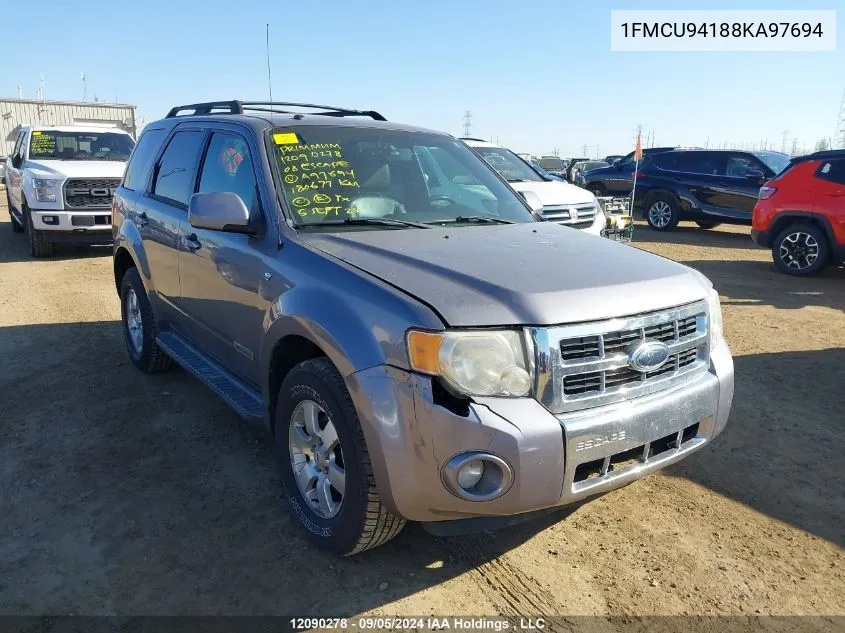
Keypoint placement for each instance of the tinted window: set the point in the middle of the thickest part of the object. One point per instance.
(833, 170)
(705, 163)
(175, 171)
(139, 164)
(228, 167)
(738, 166)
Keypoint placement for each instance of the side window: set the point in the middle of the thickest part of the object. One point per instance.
(17, 147)
(738, 166)
(833, 170)
(142, 158)
(174, 174)
(666, 160)
(704, 163)
(228, 167)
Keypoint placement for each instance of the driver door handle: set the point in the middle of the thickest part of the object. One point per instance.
(190, 242)
(142, 219)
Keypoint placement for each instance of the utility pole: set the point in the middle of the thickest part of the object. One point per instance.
(785, 141)
(597, 151)
(467, 123)
(584, 151)
(84, 87)
(839, 135)
(20, 92)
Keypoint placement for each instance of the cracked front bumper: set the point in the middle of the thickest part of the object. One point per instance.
(556, 460)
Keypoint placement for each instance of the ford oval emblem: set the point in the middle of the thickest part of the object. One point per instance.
(648, 355)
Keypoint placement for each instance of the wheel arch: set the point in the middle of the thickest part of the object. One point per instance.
(785, 219)
(287, 352)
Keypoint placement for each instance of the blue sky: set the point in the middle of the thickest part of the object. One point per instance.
(536, 75)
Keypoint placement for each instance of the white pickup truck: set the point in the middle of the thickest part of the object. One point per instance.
(60, 182)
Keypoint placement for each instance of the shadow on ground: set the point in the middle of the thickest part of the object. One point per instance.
(689, 233)
(118, 485)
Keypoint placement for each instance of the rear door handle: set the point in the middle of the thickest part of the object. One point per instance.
(190, 242)
(143, 220)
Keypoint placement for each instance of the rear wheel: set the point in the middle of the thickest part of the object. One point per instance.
(801, 249)
(324, 464)
(597, 190)
(139, 326)
(661, 212)
(39, 245)
(704, 224)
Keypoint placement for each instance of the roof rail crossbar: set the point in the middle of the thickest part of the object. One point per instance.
(233, 107)
(329, 110)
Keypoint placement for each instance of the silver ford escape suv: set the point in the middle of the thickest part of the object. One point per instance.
(422, 347)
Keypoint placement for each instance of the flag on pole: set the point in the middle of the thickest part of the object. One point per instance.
(638, 155)
(638, 152)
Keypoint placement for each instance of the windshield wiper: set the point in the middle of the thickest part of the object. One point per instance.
(480, 218)
(365, 221)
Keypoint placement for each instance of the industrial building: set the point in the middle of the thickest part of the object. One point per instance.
(17, 112)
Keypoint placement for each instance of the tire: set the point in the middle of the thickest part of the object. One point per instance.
(39, 245)
(347, 523)
(150, 358)
(801, 249)
(597, 190)
(16, 227)
(704, 224)
(661, 212)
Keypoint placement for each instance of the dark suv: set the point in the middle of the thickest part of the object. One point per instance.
(616, 179)
(708, 186)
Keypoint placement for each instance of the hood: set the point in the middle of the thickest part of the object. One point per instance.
(77, 168)
(520, 274)
(554, 193)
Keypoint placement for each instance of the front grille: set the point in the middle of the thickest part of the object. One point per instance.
(586, 365)
(90, 193)
(578, 216)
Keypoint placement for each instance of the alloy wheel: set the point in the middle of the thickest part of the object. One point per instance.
(134, 322)
(317, 459)
(660, 214)
(799, 250)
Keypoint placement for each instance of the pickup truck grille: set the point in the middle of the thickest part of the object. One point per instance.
(578, 216)
(586, 365)
(90, 193)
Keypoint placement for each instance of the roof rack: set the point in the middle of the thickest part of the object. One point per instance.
(240, 107)
(472, 138)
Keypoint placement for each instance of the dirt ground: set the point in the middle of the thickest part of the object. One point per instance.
(128, 494)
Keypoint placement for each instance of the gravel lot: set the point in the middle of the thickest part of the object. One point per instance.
(122, 493)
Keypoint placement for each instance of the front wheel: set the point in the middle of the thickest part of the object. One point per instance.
(662, 212)
(597, 190)
(324, 464)
(801, 249)
(39, 245)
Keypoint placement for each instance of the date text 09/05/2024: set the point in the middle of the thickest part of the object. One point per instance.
(429, 623)
(721, 29)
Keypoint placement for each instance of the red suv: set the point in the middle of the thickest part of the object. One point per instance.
(800, 214)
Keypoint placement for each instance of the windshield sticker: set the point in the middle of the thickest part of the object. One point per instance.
(43, 145)
(36, 133)
(318, 179)
(285, 138)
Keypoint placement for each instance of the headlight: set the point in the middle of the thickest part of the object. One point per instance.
(477, 363)
(714, 307)
(45, 190)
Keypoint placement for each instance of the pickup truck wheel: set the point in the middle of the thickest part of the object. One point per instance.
(139, 326)
(39, 245)
(597, 190)
(801, 249)
(661, 212)
(324, 465)
(16, 228)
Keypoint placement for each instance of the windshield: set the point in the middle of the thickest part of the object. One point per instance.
(550, 162)
(510, 166)
(330, 174)
(775, 161)
(55, 145)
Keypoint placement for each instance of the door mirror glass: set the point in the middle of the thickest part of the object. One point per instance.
(16, 161)
(218, 211)
(755, 175)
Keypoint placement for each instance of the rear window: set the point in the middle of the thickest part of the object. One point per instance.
(833, 170)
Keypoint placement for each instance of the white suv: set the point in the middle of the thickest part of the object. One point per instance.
(60, 182)
(562, 202)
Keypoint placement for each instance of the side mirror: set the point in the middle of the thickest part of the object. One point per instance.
(16, 161)
(534, 203)
(219, 211)
(618, 163)
(755, 175)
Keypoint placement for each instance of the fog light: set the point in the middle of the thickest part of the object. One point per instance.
(470, 474)
(49, 219)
